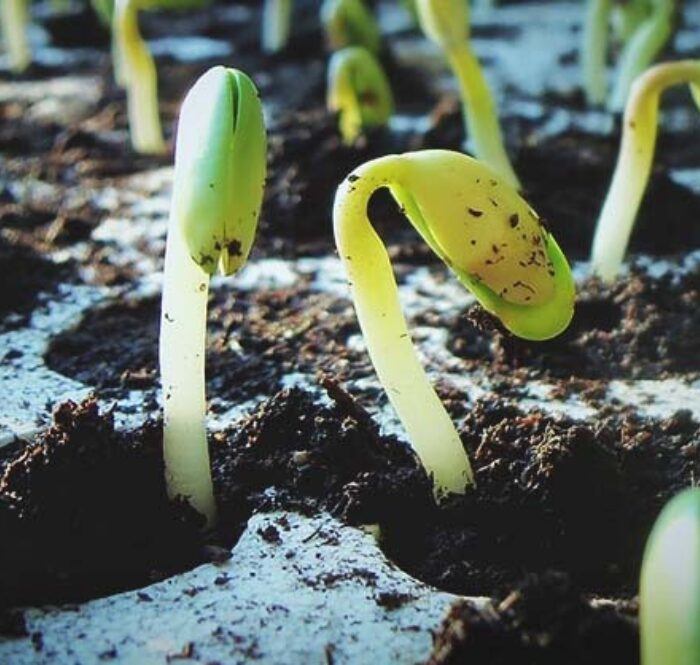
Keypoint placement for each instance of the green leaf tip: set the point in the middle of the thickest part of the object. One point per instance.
(490, 237)
(669, 595)
(359, 90)
(220, 165)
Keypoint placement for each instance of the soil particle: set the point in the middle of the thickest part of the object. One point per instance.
(543, 620)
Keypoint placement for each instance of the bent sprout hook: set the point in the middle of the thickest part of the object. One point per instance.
(491, 240)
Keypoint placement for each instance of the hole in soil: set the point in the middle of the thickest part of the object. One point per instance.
(26, 276)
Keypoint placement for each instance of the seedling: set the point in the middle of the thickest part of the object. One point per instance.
(446, 23)
(594, 50)
(643, 25)
(135, 69)
(350, 23)
(669, 594)
(217, 194)
(14, 18)
(277, 15)
(642, 48)
(634, 162)
(359, 91)
(492, 241)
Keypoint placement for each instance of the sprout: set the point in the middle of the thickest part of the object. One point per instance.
(669, 594)
(134, 68)
(277, 15)
(634, 162)
(349, 23)
(492, 241)
(644, 25)
(446, 22)
(642, 49)
(217, 194)
(594, 49)
(13, 21)
(359, 90)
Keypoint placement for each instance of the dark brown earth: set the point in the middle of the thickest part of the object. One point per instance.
(561, 509)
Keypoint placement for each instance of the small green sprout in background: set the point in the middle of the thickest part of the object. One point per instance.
(642, 48)
(104, 9)
(135, 69)
(634, 162)
(350, 23)
(593, 54)
(643, 25)
(14, 19)
(217, 194)
(669, 593)
(446, 23)
(359, 91)
(491, 240)
(277, 16)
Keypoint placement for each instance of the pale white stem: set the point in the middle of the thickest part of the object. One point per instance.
(480, 113)
(182, 360)
(634, 163)
(139, 71)
(374, 292)
(594, 49)
(13, 21)
(277, 16)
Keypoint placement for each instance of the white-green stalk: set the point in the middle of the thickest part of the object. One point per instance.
(134, 67)
(642, 48)
(669, 593)
(276, 20)
(14, 18)
(217, 194)
(594, 48)
(634, 162)
(446, 23)
(359, 91)
(495, 245)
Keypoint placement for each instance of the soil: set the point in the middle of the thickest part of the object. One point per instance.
(561, 508)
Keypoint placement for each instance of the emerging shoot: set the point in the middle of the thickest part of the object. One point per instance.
(135, 69)
(669, 593)
(277, 16)
(594, 50)
(14, 18)
(446, 23)
(217, 194)
(359, 91)
(350, 23)
(493, 242)
(642, 48)
(634, 162)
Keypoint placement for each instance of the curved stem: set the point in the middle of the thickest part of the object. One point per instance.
(480, 113)
(182, 356)
(594, 49)
(427, 423)
(634, 164)
(13, 21)
(139, 72)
